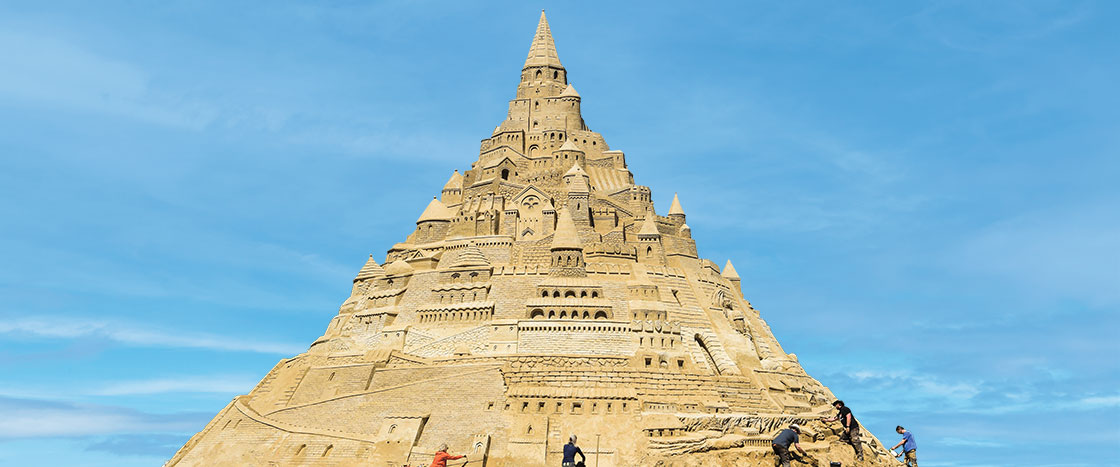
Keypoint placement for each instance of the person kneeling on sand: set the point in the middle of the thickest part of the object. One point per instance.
(782, 442)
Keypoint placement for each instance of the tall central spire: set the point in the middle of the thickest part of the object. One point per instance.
(543, 50)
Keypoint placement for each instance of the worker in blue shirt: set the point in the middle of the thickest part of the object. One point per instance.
(909, 447)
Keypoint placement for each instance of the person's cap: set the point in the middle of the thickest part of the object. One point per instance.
(795, 427)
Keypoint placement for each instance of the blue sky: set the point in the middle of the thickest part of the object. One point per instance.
(921, 197)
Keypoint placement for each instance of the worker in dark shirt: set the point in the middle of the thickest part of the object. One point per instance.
(570, 451)
(782, 442)
(851, 427)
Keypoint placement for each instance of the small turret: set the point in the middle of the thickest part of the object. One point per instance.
(370, 270)
(569, 153)
(567, 249)
(649, 228)
(433, 223)
(453, 189)
(676, 213)
(566, 237)
(570, 91)
(471, 256)
(435, 211)
(576, 180)
(577, 183)
(542, 69)
(730, 274)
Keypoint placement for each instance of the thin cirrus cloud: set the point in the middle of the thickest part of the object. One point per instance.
(216, 384)
(129, 334)
(53, 72)
(30, 418)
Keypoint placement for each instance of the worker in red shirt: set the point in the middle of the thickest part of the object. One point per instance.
(442, 457)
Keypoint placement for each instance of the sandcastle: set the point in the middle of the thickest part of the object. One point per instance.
(540, 295)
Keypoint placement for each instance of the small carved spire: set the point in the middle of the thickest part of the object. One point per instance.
(435, 211)
(566, 237)
(455, 182)
(370, 270)
(729, 272)
(649, 227)
(676, 209)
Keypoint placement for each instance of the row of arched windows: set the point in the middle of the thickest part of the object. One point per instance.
(564, 314)
(443, 316)
(569, 260)
(461, 297)
(555, 293)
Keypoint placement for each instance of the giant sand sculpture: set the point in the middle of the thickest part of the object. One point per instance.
(540, 295)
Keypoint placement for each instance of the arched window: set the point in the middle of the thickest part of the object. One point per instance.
(601, 315)
(583, 294)
(555, 294)
(649, 251)
(570, 294)
(538, 73)
(594, 294)
(544, 294)
(505, 174)
(551, 314)
(537, 314)
(555, 74)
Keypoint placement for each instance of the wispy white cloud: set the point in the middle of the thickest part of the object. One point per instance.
(50, 71)
(29, 418)
(970, 443)
(130, 334)
(221, 384)
(1064, 253)
(1100, 401)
